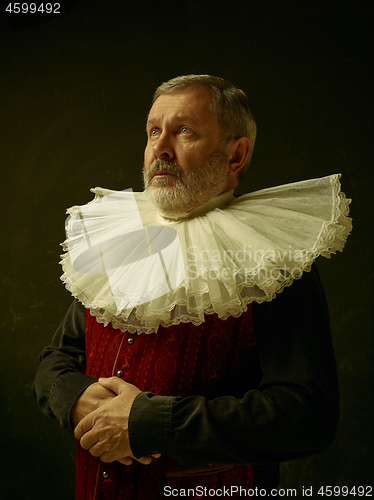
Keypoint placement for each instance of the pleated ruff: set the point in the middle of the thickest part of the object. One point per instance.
(213, 359)
(139, 269)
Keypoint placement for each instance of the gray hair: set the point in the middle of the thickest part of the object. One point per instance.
(229, 104)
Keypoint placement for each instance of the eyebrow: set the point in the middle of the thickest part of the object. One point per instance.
(179, 118)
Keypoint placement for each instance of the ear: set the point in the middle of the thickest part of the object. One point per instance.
(238, 152)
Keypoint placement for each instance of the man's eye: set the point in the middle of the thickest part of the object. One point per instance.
(154, 133)
(185, 130)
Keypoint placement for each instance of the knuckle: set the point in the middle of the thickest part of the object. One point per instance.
(84, 444)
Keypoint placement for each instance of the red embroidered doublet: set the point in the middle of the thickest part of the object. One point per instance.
(183, 360)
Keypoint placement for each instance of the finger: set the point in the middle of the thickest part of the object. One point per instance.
(156, 455)
(145, 460)
(90, 440)
(96, 450)
(84, 426)
(114, 384)
(110, 457)
(125, 461)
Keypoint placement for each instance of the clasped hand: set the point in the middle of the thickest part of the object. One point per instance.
(104, 431)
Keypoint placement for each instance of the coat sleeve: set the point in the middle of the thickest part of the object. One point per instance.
(61, 376)
(293, 413)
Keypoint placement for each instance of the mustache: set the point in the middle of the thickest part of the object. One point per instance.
(166, 166)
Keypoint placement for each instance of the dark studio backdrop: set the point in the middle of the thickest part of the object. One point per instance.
(74, 94)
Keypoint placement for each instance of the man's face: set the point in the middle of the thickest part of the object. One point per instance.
(184, 162)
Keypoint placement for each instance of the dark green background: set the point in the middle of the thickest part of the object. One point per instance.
(74, 94)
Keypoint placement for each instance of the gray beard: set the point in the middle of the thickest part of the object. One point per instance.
(187, 190)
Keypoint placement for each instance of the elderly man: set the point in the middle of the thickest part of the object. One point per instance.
(205, 389)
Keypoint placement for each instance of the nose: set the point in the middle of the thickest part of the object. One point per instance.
(162, 148)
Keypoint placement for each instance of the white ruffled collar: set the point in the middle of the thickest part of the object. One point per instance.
(139, 269)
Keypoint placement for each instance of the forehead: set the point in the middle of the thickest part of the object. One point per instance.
(184, 105)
